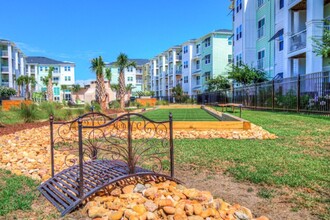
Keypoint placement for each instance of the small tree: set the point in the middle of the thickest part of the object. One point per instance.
(97, 66)
(76, 88)
(217, 83)
(246, 75)
(123, 63)
(28, 80)
(115, 88)
(19, 82)
(178, 93)
(322, 44)
(48, 82)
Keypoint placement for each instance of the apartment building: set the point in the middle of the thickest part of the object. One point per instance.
(63, 74)
(277, 36)
(133, 76)
(191, 64)
(12, 64)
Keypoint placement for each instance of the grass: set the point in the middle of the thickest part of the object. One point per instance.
(299, 158)
(180, 115)
(42, 112)
(16, 192)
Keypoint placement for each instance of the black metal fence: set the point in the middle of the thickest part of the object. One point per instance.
(302, 93)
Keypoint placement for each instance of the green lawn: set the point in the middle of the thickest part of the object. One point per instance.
(299, 158)
(16, 192)
(195, 114)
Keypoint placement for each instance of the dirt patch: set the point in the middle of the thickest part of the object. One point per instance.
(245, 194)
(9, 129)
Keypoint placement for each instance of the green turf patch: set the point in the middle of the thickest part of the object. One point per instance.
(16, 192)
(192, 114)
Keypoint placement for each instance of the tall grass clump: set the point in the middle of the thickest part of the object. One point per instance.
(48, 107)
(28, 112)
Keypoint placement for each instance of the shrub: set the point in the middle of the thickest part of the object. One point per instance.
(87, 107)
(28, 112)
(114, 104)
(161, 102)
(6, 92)
(96, 106)
(80, 111)
(48, 107)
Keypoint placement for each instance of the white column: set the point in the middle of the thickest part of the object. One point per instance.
(314, 26)
(174, 68)
(286, 35)
(10, 66)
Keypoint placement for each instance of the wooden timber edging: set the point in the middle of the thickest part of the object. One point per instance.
(178, 106)
(8, 104)
(200, 125)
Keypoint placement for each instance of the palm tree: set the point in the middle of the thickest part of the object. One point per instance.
(108, 76)
(63, 88)
(123, 63)
(75, 89)
(28, 80)
(115, 87)
(98, 67)
(19, 82)
(129, 89)
(48, 82)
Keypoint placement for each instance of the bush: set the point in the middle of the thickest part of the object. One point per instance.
(87, 107)
(114, 104)
(162, 102)
(28, 112)
(96, 106)
(6, 92)
(81, 111)
(48, 107)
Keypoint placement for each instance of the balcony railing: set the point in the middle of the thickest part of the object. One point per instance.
(4, 69)
(139, 81)
(293, 2)
(179, 58)
(4, 53)
(32, 70)
(5, 84)
(179, 71)
(298, 41)
(260, 64)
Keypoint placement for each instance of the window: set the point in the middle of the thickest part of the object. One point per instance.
(261, 24)
(69, 68)
(67, 96)
(56, 98)
(65, 78)
(261, 56)
(239, 32)
(65, 68)
(207, 59)
(197, 48)
(207, 76)
(207, 42)
(198, 80)
(185, 49)
(56, 91)
(230, 58)
(69, 78)
(280, 43)
(55, 79)
(198, 66)
(185, 79)
(40, 68)
(46, 68)
(239, 59)
(281, 4)
(130, 79)
(238, 5)
(185, 64)
(261, 3)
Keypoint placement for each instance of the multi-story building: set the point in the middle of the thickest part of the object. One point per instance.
(146, 77)
(12, 64)
(63, 74)
(133, 76)
(277, 36)
(191, 64)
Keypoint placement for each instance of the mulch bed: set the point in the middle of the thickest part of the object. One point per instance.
(9, 129)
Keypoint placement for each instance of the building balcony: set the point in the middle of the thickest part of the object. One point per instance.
(4, 53)
(5, 69)
(32, 71)
(178, 72)
(196, 71)
(196, 56)
(260, 64)
(297, 41)
(297, 4)
(170, 59)
(178, 58)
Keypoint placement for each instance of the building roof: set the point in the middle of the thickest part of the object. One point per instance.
(139, 62)
(224, 30)
(44, 60)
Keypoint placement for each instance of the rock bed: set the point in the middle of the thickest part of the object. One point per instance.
(27, 153)
(164, 200)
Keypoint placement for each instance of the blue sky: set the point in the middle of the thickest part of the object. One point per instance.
(79, 30)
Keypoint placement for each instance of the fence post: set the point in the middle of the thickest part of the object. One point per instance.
(81, 160)
(51, 121)
(298, 93)
(273, 95)
(255, 96)
(233, 93)
(130, 163)
(171, 145)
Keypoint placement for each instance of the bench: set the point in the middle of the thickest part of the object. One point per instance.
(233, 106)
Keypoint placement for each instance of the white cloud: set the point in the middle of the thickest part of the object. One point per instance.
(29, 48)
(84, 82)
